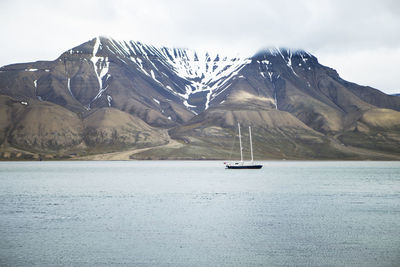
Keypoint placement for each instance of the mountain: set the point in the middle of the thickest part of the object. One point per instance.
(151, 102)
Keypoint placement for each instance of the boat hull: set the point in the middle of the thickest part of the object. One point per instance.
(244, 167)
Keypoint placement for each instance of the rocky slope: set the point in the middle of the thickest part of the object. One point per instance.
(107, 95)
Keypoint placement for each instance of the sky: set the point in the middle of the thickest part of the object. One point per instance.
(360, 39)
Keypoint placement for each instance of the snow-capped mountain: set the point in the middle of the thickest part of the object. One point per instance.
(108, 94)
(182, 72)
(196, 78)
(94, 72)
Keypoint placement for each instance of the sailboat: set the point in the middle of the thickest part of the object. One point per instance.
(242, 164)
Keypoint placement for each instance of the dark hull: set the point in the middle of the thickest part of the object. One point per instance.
(244, 167)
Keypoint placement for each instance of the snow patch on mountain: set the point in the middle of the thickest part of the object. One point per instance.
(109, 99)
(186, 73)
(101, 67)
(204, 72)
(69, 87)
(36, 86)
(201, 71)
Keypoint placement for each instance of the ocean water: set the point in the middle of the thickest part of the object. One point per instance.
(196, 213)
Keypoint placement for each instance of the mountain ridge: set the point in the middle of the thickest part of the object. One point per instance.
(302, 108)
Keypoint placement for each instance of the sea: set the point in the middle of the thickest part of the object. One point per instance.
(197, 213)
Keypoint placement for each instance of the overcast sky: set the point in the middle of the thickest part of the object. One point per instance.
(360, 39)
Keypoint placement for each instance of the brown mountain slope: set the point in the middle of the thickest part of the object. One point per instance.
(377, 130)
(276, 134)
(109, 127)
(42, 126)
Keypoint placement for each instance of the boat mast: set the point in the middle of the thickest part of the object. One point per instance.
(240, 142)
(251, 145)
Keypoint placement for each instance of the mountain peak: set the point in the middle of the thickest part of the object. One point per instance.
(283, 52)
